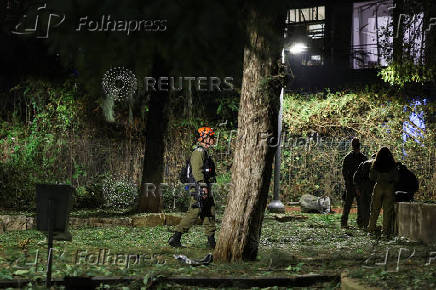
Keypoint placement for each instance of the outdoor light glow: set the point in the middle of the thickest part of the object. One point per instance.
(297, 48)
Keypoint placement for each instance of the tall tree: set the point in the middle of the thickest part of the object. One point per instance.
(157, 124)
(257, 119)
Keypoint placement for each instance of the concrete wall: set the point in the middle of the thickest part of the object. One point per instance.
(416, 221)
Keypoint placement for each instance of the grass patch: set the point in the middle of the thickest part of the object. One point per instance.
(314, 245)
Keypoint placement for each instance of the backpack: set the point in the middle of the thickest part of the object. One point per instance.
(186, 176)
(407, 181)
(186, 173)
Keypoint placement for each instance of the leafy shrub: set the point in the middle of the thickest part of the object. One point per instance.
(175, 198)
(17, 187)
(119, 193)
(88, 197)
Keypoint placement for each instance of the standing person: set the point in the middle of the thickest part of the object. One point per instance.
(349, 166)
(364, 187)
(202, 202)
(385, 175)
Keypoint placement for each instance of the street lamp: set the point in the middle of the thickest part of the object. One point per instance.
(298, 48)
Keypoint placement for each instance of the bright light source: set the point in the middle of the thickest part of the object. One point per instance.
(297, 48)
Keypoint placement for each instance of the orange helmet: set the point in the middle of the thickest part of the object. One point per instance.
(205, 132)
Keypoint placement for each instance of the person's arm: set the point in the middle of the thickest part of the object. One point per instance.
(344, 168)
(357, 177)
(372, 173)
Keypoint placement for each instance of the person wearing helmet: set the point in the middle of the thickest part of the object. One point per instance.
(202, 203)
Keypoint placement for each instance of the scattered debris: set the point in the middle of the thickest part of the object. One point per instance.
(310, 203)
(205, 261)
(288, 218)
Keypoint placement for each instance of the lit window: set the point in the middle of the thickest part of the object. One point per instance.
(413, 37)
(315, 31)
(373, 34)
(370, 20)
(305, 44)
(321, 13)
(306, 14)
(292, 16)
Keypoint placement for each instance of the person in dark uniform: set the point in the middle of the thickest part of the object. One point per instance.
(364, 187)
(384, 173)
(349, 166)
(202, 202)
(407, 184)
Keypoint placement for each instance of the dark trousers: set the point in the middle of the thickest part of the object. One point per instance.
(363, 207)
(348, 202)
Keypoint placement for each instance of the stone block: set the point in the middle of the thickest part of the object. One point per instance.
(172, 220)
(415, 221)
(30, 223)
(149, 220)
(76, 222)
(287, 218)
(348, 283)
(13, 222)
(106, 222)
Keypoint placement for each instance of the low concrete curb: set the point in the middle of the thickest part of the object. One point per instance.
(22, 222)
(348, 283)
(415, 221)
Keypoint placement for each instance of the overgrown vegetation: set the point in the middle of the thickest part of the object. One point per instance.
(319, 128)
(31, 141)
(46, 135)
(49, 138)
(310, 243)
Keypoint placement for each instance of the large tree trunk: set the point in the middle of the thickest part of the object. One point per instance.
(157, 124)
(252, 163)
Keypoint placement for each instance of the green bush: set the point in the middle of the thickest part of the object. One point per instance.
(175, 198)
(89, 197)
(119, 193)
(17, 187)
(30, 139)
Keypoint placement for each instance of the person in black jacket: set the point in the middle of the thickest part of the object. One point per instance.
(364, 187)
(407, 184)
(349, 166)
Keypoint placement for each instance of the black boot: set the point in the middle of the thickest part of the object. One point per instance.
(174, 241)
(211, 241)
